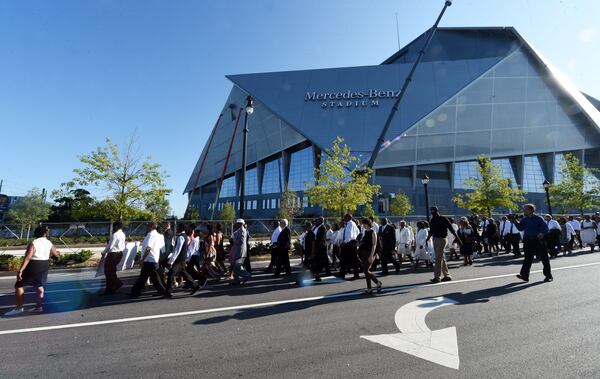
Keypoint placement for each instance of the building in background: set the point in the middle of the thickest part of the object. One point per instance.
(477, 91)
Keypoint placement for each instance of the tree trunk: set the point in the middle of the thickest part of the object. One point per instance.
(28, 230)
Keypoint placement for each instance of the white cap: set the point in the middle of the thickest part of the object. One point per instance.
(240, 221)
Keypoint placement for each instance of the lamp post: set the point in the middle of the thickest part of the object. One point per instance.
(425, 181)
(249, 109)
(546, 185)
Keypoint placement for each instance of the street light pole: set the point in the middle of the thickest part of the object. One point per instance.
(547, 189)
(249, 110)
(425, 181)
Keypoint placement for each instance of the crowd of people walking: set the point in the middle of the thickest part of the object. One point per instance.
(196, 254)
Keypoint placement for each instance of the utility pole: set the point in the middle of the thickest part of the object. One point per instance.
(1, 182)
(404, 87)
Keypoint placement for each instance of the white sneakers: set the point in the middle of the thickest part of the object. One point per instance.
(18, 311)
(15, 312)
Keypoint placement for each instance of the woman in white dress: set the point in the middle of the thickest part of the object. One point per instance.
(423, 249)
(588, 232)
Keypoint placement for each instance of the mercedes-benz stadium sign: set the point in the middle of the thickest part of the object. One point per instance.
(348, 99)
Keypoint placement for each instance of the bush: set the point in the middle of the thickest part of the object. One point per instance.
(10, 262)
(297, 248)
(259, 248)
(66, 259)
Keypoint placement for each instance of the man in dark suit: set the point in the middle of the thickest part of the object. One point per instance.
(387, 235)
(319, 258)
(282, 249)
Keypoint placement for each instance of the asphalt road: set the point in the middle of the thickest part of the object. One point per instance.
(271, 328)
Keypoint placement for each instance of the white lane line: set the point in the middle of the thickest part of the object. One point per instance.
(260, 305)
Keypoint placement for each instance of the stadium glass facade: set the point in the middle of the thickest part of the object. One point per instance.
(477, 91)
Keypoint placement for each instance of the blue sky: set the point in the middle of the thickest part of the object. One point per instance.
(75, 72)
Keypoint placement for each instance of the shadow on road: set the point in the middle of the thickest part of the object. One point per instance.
(252, 313)
(484, 295)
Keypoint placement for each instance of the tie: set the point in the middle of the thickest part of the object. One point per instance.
(511, 228)
(503, 227)
(344, 236)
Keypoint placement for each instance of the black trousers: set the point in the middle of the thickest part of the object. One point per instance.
(282, 260)
(176, 269)
(512, 243)
(247, 264)
(273, 262)
(553, 242)
(387, 256)
(193, 266)
(532, 246)
(149, 270)
(111, 260)
(320, 261)
(349, 258)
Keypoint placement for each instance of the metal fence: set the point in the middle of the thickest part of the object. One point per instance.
(69, 233)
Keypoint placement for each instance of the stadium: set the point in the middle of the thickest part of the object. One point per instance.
(476, 91)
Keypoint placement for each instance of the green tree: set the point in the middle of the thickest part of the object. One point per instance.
(191, 213)
(227, 213)
(573, 191)
(489, 190)
(367, 211)
(132, 183)
(75, 205)
(342, 184)
(30, 210)
(400, 205)
(289, 205)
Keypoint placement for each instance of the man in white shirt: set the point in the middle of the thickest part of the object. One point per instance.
(272, 249)
(512, 237)
(503, 232)
(349, 248)
(553, 236)
(576, 225)
(404, 239)
(177, 261)
(151, 247)
(112, 254)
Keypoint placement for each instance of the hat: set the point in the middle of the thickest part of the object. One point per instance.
(240, 221)
(434, 209)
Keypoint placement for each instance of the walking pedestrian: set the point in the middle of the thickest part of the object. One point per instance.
(405, 240)
(440, 226)
(576, 225)
(272, 249)
(34, 271)
(534, 229)
(151, 249)
(113, 253)
(423, 246)
(177, 262)
(282, 249)
(491, 233)
(588, 232)
(239, 252)
(553, 236)
(319, 260)
(467, 236)
(387, 235)
(309, 244)
(366, 251)
(566, 236)
(220, 261)
(349, 245)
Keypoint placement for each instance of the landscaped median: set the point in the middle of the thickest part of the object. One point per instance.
(83, 258)
(87, 257)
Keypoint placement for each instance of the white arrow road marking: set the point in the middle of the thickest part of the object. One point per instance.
(438, 346)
